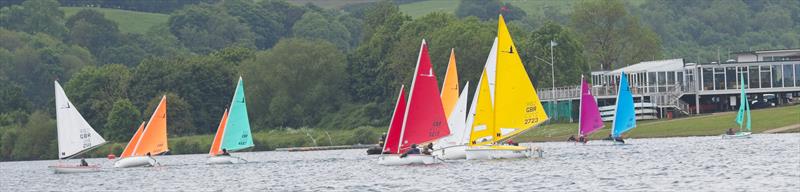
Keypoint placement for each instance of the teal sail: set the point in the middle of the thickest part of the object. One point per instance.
(625, 116)
(237, 134)
(744, 107)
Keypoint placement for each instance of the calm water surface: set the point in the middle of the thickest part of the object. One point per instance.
(764, 163)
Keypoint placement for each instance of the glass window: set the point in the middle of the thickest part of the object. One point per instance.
(680, 78)
(730, 78)
(754, 77)
(719, 78)
(788, 76)
(777, 76)
(741, 72)
(797, 75)
(671, 78)
(708, 79)
(651, 81)
(662, 81)
(766, 81)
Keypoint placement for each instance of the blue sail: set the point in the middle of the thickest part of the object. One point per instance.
(744, 107)
(237, 130)
(625, 116)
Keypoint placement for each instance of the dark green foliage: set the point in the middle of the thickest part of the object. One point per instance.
(34, 16)
(567, 55)
(314, 25)
(489, 9)
(90, 29)
(122, 121)
(95, 90)
(297, 82)
(205, 28)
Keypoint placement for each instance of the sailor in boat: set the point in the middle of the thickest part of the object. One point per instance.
(413, 150)
(84, 163)
(572, 138)
(511, 142)
(619, 139)
(377, 150)
(582, 139)
(730, 132)
(428, 149)
(225, 152)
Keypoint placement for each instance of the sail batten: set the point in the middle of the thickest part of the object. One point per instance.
(75, 135)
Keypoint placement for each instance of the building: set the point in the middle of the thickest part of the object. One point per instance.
(667, 88)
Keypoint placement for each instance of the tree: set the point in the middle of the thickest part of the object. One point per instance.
(179, 114)
(12, 97)
(37, 139)
(315, 26)
(297, 82)
(608, 32)
(265, 23)
(90, 29)
(122, 121)
(205, 28)
(568, 56)
(95, 90)
(489, 9)
(34, 16)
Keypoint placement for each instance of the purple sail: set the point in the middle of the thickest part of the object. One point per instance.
(590, 120)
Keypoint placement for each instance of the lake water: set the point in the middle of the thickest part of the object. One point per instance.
(769, 162)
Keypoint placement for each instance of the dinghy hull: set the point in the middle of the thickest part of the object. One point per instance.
(413, 159)
(739, 135)
(137, 161)
(500, 152)
(61, 169)
(224, 159)
(451, 153)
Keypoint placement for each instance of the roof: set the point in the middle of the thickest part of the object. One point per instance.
(652, 66)
(766, 51)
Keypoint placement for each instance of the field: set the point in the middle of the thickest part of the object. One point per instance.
(128, 21)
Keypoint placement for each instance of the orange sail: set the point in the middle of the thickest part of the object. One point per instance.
(132, 144)
(218, 137)
(450, 92)
(154, 138)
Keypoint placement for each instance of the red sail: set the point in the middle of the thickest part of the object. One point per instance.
(424, 119)
(393, 137)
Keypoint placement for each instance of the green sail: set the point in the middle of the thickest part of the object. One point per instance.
(237, 134)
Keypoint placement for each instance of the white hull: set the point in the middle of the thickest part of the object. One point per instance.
(414, 159)
(75, 169)
(451, 153)
(137, 161)
(500, 152)
(740, 135)
(224, 159)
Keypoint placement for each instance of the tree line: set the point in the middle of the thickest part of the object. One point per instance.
(306, 66)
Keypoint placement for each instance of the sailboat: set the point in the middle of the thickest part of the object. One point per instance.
(745, 130)
(455, 107)
(454, 145)
(589, 116)
(75, 135)
(149, 140)
(419, 121)
(624, 114)
(233, 133)
(515, 108)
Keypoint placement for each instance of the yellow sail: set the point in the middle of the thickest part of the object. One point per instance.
(517, 107)
(450, 86)
(483, 128)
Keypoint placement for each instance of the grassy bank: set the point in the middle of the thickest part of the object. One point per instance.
(704, 125)
(128, 21)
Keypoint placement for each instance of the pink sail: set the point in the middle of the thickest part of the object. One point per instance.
(590, 120)
(424, 119)
(393, 137)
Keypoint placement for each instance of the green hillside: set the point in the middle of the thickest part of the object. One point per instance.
(418, 9)
(129, 21)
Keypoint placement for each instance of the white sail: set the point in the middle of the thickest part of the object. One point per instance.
(491, 69)
(471, 114)
(75, 135)
(457, 123)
